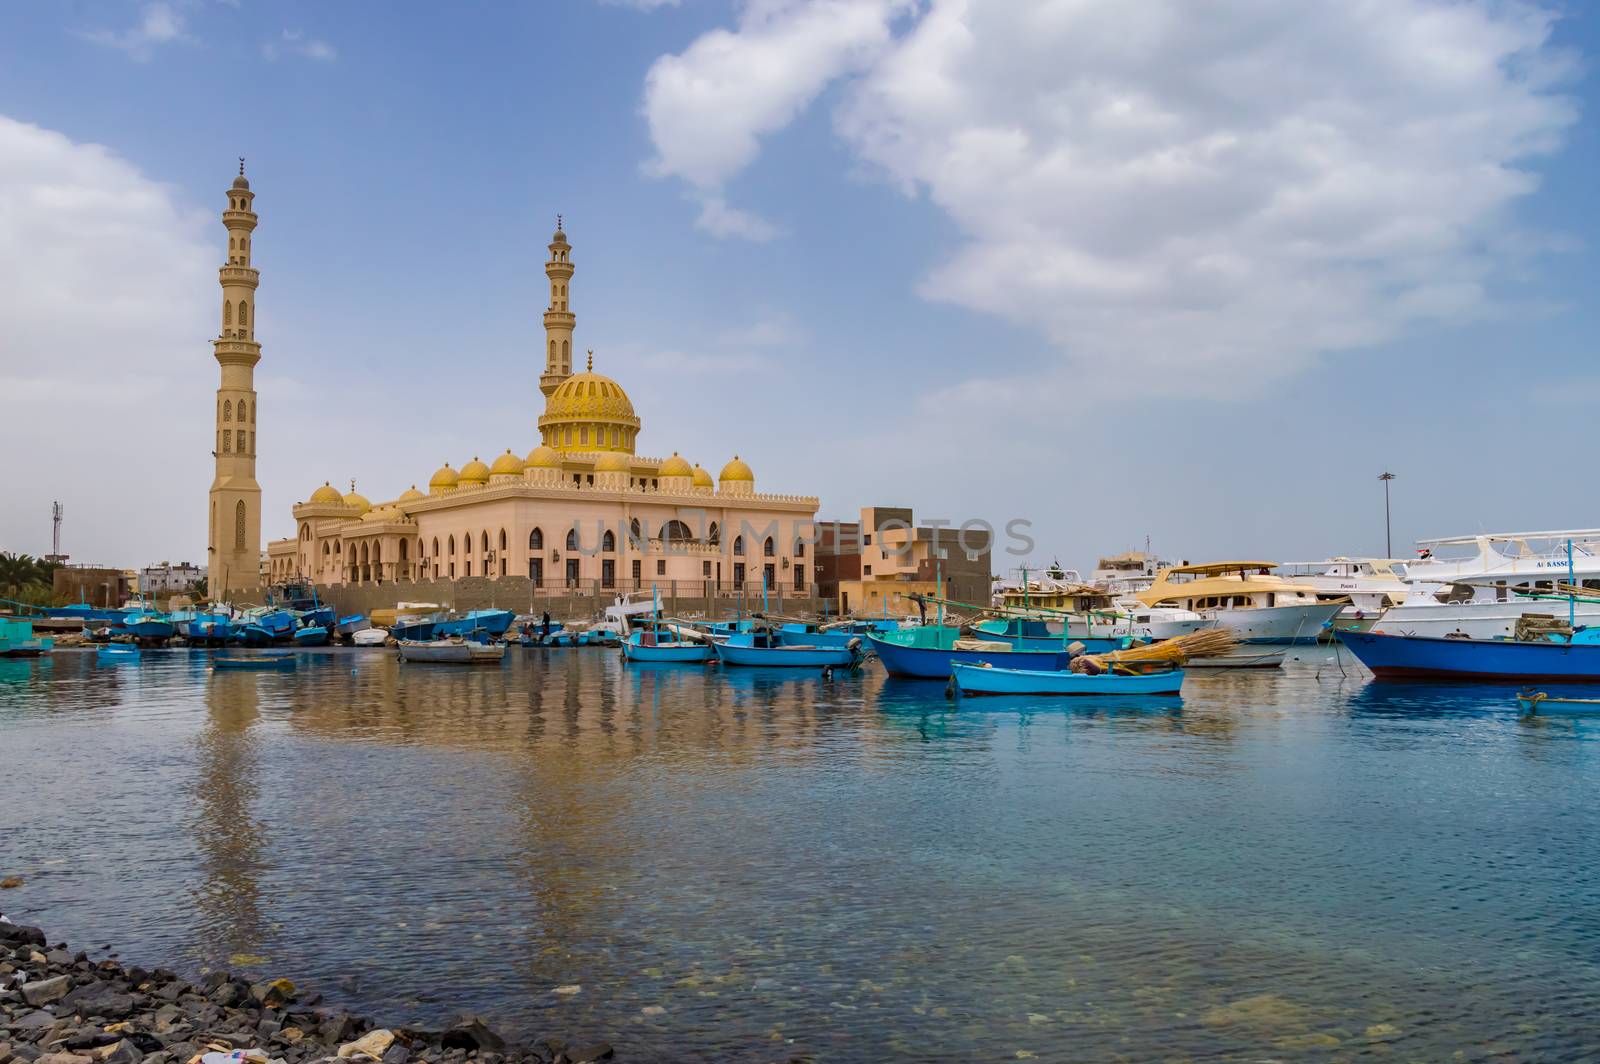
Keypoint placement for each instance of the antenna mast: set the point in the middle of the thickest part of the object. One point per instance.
(55, 531)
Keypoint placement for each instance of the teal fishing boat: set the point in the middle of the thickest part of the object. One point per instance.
(987, 680)
(18, 641)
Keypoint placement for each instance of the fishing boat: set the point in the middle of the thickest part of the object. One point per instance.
(662, 644)
(456, 650)
(1033, 633)
(17, 639)
(311, 635)
(148, 626)
(252, 635)
(370, 637)
(490, 622)
(317, 616)
(766, 647)
(117, 654)
(928, 652)
(347, 627)
(416, 623)
(987, 680)
(1391, 654)
(1246, 598)
(836, 634)
(210, 629)
(1538, 704)
(279, 624)
(278, 659)
(1254, 657)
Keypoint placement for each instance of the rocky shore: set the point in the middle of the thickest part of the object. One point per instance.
(60, 1007)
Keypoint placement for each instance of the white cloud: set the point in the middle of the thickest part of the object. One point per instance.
(1190, 192)
(708, 108)
(296, 43)
(108, 292)
(159, 23)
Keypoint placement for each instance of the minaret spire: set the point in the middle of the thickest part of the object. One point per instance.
(558, 320)
(234, 536)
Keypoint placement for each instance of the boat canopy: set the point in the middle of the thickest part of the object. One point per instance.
(1218, 568)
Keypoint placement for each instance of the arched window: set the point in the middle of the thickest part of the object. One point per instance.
(227, 410)
(377, 552)
(452, 546)
(305, 531)
(403, 545)
(676, 532)
(364, 558)
(227, 312)
(614, 437)
(716, 534)
(244, 314)
(227, 441)
(238, 526)
(485, 541)
(435, 546)
(799, 548)
(552, 350)
(769, 549)
(338, 547)
(325, 551)
(253, 414)
(572, 539)
(243, 408)
(566, 351)
(738, 545)
(502, 539)
(583, 436)
(608, 542)
(536, 539)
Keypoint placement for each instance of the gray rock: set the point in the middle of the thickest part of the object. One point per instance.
(469, 1033)
(396, 1054)
(589, 1053)
(124, 1052)
(44, 991)
(21, 935)
(32, 1021)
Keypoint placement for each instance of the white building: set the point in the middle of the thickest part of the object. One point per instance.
(167, 578)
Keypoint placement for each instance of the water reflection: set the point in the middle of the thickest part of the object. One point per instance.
(1275, 865)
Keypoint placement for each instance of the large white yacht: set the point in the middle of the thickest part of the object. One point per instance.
(1371, 585)
(1469, 585)
(1245, 597)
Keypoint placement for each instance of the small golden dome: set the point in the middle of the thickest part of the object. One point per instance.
(613, 462)
(356, 499)
(411, 494)
(676, 466)
(586, 396)
(383, 513)
(737, 470)
(326, 494)
(543, 457)
(702, 477)
(474, 472)
(445, 479)
(506, 463)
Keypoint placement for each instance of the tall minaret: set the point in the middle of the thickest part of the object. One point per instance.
(234, 553)
(558, 320)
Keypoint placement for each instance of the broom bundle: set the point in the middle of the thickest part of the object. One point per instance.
(1207, 643)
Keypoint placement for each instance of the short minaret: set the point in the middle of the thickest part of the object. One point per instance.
(234, 539)
(558, 320)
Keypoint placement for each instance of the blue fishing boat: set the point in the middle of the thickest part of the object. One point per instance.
(318, 616)
(252, 635)
(280, 659)
(91, 616)
(929, 652)
(766, 647)
(987, 680)
(279, 624)
(492, 622)
(1030, 633)
(210, 629)
(148, 627)
(311, 635)
(659, 643)
(1394, 655)
(414, 629)
(350, 625)
(836, 635)
(117, 654)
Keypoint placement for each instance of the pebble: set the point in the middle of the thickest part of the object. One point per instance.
(569, 990)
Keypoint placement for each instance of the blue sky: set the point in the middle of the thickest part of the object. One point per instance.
(1192, 272)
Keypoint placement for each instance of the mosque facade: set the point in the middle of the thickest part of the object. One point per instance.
(580, 511)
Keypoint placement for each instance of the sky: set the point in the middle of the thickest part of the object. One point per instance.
(1184, 272)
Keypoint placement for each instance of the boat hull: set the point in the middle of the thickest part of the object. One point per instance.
(1283, 625)
(929, 662)
(1390, 655)
(369, 637)
(494, 622)
(314, 636)
(684, 653)
(981, 680)
(254, 662)
(1477, 620)
(464, 652)
(790, 657)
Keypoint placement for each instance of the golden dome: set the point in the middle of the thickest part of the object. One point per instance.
(702, 477)
(542, 457)
(613, 462)
(506, 463)
(383, 513)
(445, 479)
(676, 466)
(737, 470)
(589, 412)
(474, 472)
(411, 494)
(357, 500)
(326, 494)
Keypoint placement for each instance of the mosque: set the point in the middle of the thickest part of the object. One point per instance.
(581, 511)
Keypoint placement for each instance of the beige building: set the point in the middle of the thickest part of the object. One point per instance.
(580, 511)
(883, 563)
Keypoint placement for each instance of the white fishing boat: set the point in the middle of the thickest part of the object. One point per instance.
(370, 637)
(1365, 587)
(452, 651)
(1247, 598)
(1479, 586)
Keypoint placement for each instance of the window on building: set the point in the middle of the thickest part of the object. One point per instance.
(799, 548)
(536, 539)
(714, 535)
(502, 539)
(572, 539)
(452, 549)
(636, 572)
(866, 570)
(738, 546)
(799, 578)
(238, 529)
(705, 570)
(769, 549)
(227, 410)
(227, 441)
(244, 314)
(484, 540)
(608, 542)
(661, 567)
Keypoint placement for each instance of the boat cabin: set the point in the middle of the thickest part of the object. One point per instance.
(1226, 586)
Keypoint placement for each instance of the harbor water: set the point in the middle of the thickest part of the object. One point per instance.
(751, 865)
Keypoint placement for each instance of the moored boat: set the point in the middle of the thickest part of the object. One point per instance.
(1037, 633)
(274, 659)
(988, 680)
(491, 622)
(346, 627)
(1391, 654)
(311, 635)
(457, 650)
(929, 651)
(658, 643)
(765, 647)
(370, 637)
(17, 639)
(1246, 598)
(148, 627)
(117, 654)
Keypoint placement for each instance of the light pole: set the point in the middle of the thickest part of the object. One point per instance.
(1388, 545)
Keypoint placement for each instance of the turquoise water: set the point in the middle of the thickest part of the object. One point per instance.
(1294, 865)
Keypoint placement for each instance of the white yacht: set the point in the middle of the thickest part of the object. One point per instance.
(1371, 585)
(1479, 586)
(1247, 598)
